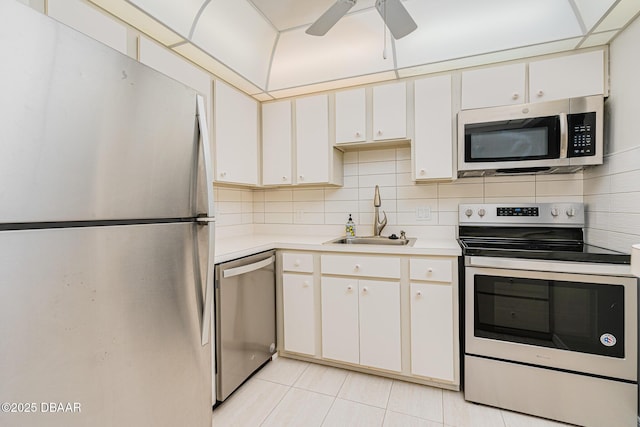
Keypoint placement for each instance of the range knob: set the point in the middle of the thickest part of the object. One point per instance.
(481, 212)
(554, 212)
(468, 212)
(571, 212)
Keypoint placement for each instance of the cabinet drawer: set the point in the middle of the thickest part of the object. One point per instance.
(431, 269)
(297, 262)
(361, 266)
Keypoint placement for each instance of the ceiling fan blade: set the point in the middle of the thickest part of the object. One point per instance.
(396, 17)
(330, 17)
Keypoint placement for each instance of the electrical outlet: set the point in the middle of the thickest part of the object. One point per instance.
(423, 213)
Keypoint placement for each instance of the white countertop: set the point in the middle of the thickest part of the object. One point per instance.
(230, 248)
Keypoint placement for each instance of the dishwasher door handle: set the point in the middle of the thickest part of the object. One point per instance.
(247, 268)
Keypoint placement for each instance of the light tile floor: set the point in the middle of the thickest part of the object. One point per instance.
(289, 392)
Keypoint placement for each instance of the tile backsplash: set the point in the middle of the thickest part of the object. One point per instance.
(423, 210)
(612, 198)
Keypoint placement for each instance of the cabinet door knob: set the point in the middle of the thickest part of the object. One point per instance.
(296, 263)
(365, 290)
(419, 294)
(301, 177)
(305, 284)
(223, 174)
(515, 96)
(284, 178)
(356, 267)
(422, 171)
(430, 270)
(358, 134)
(349, 288)
(379, 132)
(540, 93)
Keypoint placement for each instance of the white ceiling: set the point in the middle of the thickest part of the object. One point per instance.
(261, 46)
(287, 14)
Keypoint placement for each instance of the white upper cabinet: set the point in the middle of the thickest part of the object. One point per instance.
(90, 21)
(317, 162)
(489, 87)
(433, 147)
(276, 143)
(236, 136)
(351, 116)
(390, 111)
(312, 139)
(567, 77)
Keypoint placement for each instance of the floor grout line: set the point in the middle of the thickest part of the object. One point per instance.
(324, 419)
(275, 406)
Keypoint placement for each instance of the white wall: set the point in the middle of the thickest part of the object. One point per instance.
(612, 191)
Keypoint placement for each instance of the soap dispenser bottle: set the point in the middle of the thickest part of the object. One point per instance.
(350, 228)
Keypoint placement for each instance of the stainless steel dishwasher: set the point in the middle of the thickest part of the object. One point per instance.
(245, 319)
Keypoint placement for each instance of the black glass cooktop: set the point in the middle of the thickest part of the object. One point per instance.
(539, 243)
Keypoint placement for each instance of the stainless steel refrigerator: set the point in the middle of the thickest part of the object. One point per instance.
(106, 235)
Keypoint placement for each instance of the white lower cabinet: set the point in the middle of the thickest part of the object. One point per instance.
(299, 314)
(380, 324)
(340, 332)
(391, 315)
(361, 322)
(432, 333)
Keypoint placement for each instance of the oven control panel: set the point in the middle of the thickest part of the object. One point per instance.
(518, 211)
(522, 214)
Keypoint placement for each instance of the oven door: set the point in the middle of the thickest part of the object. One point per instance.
(570, 321)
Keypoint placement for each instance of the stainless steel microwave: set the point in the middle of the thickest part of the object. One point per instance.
(547, 137)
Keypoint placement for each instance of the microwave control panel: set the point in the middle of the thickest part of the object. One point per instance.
(582, 134)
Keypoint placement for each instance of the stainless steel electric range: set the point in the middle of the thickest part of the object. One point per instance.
(550, 322)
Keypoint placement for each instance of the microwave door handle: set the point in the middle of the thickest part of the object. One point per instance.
(564, 136)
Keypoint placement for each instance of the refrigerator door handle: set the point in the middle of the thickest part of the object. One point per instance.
(208, 220)
(207, 310)
(206, 152)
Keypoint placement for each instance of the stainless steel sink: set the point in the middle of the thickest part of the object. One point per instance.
(372, 240)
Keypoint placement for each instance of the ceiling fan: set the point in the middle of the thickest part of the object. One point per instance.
(393, 13)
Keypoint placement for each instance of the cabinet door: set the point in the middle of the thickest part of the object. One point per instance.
(90, 21)
(299, 315)
(567, 77)
(236, 136)
(390, 111)
(351, 119)
(340, 319)
(312, 139)
(380, 324)
(433, 141)
(490, 87)
(276, 143)
(432, 331)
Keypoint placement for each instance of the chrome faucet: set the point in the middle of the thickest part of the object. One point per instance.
(377, 224)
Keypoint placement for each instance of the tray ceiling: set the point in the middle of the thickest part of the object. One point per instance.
(261, 47)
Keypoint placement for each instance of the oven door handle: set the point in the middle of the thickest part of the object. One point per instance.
(621, 270)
